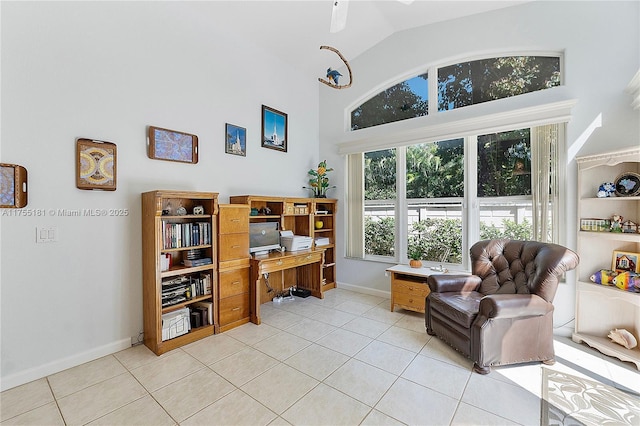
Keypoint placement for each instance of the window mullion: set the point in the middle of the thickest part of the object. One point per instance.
(470, 206)
(402, 222)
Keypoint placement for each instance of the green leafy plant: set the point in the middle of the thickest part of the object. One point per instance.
(319, 180)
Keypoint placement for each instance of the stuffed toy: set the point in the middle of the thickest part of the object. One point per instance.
(604, 277)
(628, 281)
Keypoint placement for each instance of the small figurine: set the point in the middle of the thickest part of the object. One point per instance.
(630, 227)
(606, 189)
(604, 277)
(333, 75)
(616, 223)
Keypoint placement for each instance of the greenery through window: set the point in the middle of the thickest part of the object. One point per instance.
(474, 82)
(403, 101)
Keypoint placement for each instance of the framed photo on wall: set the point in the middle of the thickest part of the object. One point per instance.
(96, 163)
(171, 145)
(274, 129)
(235, 140)
(624, 261)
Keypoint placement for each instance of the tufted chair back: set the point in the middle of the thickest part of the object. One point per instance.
(520, 267)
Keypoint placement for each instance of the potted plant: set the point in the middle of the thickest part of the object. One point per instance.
(319, 180)
(415, 257)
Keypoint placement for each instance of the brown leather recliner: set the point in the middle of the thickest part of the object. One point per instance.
(503, 312)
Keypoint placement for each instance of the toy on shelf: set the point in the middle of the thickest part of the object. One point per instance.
(604, 277)
(627, 281)
(616, 223)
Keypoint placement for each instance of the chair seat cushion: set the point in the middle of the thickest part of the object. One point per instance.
(461, 308)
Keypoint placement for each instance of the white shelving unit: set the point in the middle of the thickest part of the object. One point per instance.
(601, 308)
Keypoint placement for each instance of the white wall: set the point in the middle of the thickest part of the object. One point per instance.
(601, 44)
(107, 70)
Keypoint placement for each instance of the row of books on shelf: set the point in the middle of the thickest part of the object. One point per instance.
(178, 235)
(182, 288)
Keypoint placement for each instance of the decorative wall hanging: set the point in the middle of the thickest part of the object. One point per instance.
(334, 75)
(235, 140)
(171, 145)
(13, 186)
(274, 129)
(96, 164)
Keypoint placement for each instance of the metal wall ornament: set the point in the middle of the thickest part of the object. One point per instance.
(333, 75)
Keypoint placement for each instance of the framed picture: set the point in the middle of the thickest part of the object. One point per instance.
(235, 140)
(624, 261)
(627, 184)
(171, 145)
(13, 186)
(274, 129)
(96, 163)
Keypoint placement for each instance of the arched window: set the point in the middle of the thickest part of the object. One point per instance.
(459, 85)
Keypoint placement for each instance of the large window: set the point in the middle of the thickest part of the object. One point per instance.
(440, 197)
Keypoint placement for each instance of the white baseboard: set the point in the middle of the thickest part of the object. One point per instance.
(53, 367)
(365, 290)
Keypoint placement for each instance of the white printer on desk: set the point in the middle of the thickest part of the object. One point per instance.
(295, 242)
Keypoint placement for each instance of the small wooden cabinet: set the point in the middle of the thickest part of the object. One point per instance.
(408, 287)
(178, 227)
(233, 265)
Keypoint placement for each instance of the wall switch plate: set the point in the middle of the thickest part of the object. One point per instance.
(48, 234)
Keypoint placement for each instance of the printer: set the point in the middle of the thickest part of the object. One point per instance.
(295, 242)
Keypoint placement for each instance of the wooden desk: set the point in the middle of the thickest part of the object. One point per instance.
(298, 268)
(409, 286)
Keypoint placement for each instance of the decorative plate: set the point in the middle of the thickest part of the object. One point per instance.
(628, 184)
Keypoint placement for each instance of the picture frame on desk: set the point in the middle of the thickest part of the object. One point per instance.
(274, 129)
(172, 145)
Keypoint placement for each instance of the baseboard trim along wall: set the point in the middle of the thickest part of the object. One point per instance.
(365, 290)
(57, 366)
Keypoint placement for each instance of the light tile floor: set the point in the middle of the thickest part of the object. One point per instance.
(342, 360)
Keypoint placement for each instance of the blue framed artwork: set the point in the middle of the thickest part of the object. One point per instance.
(235, 140)
(171, 145)
(274, 129)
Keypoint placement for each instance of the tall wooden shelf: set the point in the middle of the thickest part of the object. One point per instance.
(601, 308)
(155, 245)
(299, 215)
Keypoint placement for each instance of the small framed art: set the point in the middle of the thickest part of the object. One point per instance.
(624, 261)
(627, 184)
(96, 163)
(171, 145)
(235, 140)
(274, 129)
(13, 186)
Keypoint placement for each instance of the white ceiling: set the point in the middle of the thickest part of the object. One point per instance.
(295, 30)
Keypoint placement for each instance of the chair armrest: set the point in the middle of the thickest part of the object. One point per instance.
(513, 306)
(453, 283)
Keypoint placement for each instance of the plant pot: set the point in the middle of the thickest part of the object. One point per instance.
(415, 263)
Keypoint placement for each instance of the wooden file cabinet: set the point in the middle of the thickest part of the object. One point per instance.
(233, 265)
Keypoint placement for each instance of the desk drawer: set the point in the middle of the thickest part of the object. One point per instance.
(233, 246)
(413, 302)
(234, 282)
(233, 219)
(411, 288)
(234, 308)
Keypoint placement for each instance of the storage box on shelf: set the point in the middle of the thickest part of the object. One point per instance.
(179, 301)
(601, 308)
(233, 266)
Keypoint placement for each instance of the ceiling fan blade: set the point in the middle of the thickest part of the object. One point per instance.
(406, 1)
(339, 15)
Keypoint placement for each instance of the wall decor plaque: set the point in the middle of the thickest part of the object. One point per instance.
(96, 164)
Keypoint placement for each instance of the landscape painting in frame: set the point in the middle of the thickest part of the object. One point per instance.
(624, 261)
(274, 129)
(171, 145)
(235, 140)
